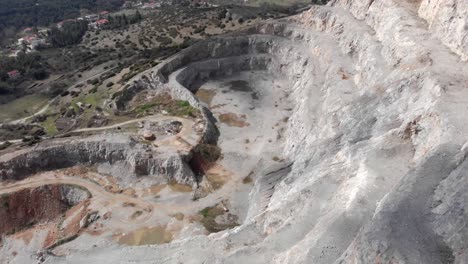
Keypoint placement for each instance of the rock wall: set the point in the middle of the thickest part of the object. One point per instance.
(132, 159)
(448, 19)
(24, 208)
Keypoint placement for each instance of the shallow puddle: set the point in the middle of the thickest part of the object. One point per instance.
(239, 86)
(155, 189)
(147, 236)
(217, 176)
(233, 120)
(205, 96)
(177, 187)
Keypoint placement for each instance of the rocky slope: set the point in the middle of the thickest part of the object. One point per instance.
(22, 209)
(377, 138)
(119, 155)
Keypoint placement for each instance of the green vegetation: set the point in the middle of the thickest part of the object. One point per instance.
(205, 212)
(30, 65)
(49, 125)
(209, 215)
(247, 180)
(56, 89)
(209, 153)
(122, 21)
(5, 145)
(183, 108)
(22, 107)
(71, 33)
(165, 41)
(166, 103)
(136, 214)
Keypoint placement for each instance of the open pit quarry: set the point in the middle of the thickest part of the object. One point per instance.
(337, 135)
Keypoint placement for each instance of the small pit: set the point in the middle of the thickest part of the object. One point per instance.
(28, 207)
(146, 236)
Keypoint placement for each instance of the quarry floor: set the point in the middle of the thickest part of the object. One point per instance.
(251, 109)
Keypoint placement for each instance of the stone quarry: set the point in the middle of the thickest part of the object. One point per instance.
(337, 135)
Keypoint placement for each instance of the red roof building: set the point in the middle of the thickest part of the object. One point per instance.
(13, 74)
(30, 38)
(103, 13)
(102, 22)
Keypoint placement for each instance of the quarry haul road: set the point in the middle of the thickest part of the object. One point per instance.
(97, 192)
(185, 132)
(109, 199)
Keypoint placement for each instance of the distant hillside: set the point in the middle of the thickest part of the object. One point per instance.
(17, 14)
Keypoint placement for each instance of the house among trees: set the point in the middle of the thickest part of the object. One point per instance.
(92, 17)
(31, 42)
(27, 39)
(60, 24)
(13, 75)
(98, 23)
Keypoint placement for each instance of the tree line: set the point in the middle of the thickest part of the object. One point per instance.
(30, 66)
(122, 21)
(71, 33)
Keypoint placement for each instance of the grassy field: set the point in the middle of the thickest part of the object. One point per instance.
(49, 125)
(22, 107)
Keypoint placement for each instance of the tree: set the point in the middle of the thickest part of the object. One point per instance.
(24, 46)
(71, 33)
(125, 20)
(138, 16)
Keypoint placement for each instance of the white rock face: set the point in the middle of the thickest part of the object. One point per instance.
(449, 20)
(378, 138)
(117, 154)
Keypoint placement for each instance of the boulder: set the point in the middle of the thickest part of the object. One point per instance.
(148, 135)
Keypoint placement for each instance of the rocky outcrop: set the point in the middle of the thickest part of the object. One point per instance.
(27, 207)
(72, 195)
(449, 21)
(131, 157)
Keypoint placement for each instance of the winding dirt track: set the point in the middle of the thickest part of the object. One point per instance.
(108, 199)
(185, 138)
(97, 192)
(44, 109)
(186, 131)
(100, 195)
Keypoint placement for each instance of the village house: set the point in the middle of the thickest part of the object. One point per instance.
(98, 23)
(27, 39)
(36, 43)
(101, 22)
(13, 75)
(92, 18)
(32, 42)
